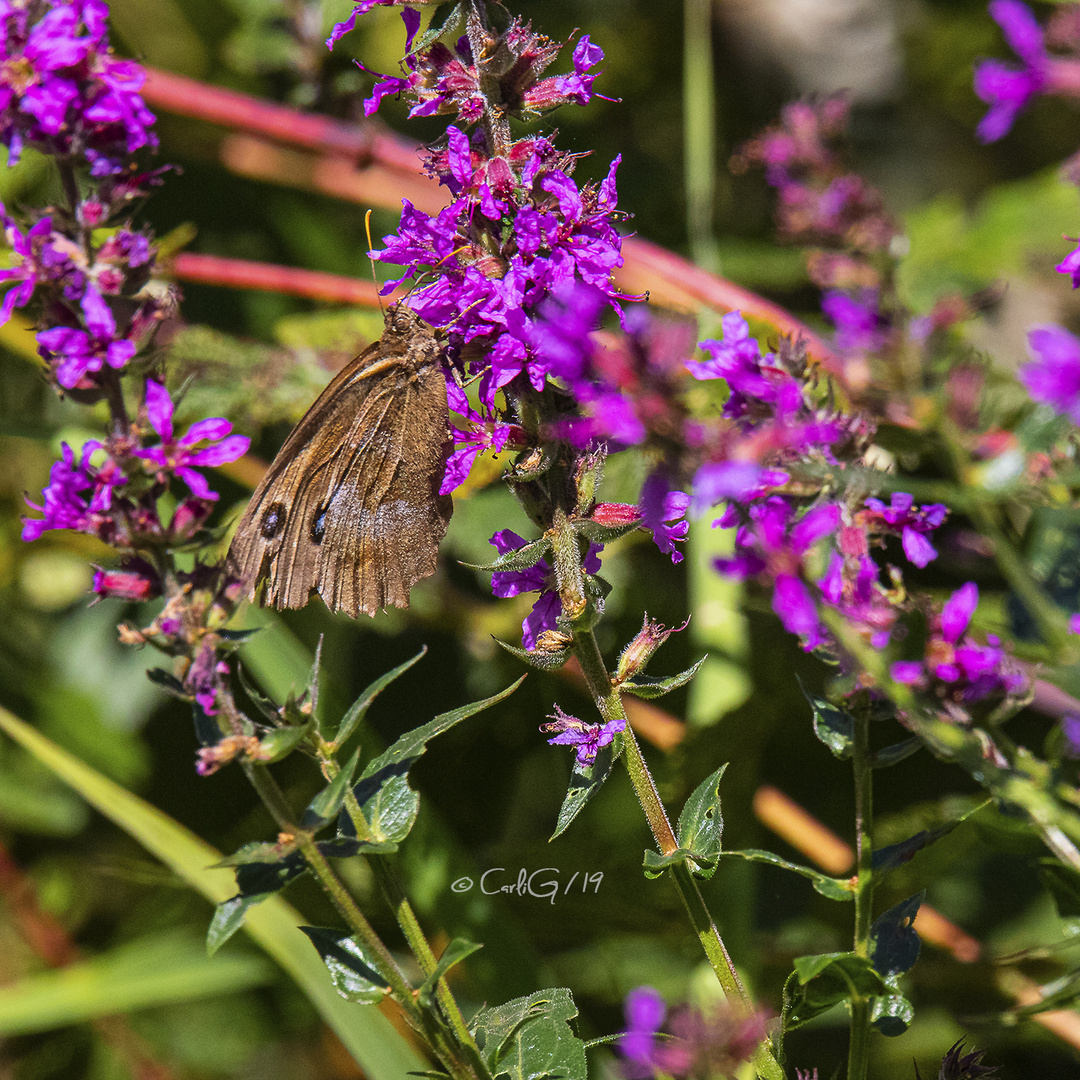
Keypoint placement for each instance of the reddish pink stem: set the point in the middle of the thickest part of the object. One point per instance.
(267, 277)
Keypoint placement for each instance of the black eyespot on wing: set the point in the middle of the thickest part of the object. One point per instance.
(272, 520)
(318, 525)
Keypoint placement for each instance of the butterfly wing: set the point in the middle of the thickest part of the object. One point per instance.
(350, 506)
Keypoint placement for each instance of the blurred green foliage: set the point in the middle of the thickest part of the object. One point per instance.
(492, 787)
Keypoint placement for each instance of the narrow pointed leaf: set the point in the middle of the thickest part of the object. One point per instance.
(282, 741)
(643, 686)
(358, 710)
(894, 944)
(228, 918)
(389, 804)
(351, 971)
(585, 782)
(833, 888)
(261, 702)
(542, 661)
(327, 804)
(519, 559)
(834, 727)
(897, 752)
(453, 954)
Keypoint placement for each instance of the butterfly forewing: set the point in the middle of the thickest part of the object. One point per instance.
(350, 506)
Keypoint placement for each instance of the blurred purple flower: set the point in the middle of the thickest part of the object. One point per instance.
(178, 456)
(645, 1011)
(1053, 376)
(1007, 89)
(664, 512)
(860, 327)
(900, 516)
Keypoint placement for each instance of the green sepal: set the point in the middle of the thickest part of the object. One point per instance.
(643, 686)
(585, 782)
(596, 533)
(453, 954)
(168, 682)
(543, 661)
(325, 806)
(701, 825)
(530, 1038)
(388, 803)
(282, 741)
(834, 727)
(830, 887)
(359, 708)
(353, 975)
(519, 559)
(265, 706)
(820, 982)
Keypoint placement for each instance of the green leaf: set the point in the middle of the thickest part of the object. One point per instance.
(892, 1015)
(894, 944)
(148, 973)
(389, 804)
(655, 863)
(326, 805)
(887, 858)
(894, 754)
(1063, 884)
(168, 682)
(542, 661)
(833, 888)
(453, 954)
(359, 708)
(585, 782)
(265, 706)
(351, 971)
(701, 824)
(530, 1038)
(228, 918)
(834, 727)
(827, 980)
(365, 1032)
(519, 559)
(643, 686)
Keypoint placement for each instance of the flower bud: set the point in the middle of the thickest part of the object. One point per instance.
(639, 652)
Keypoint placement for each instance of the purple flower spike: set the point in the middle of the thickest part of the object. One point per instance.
(645, 1010)
(663, 511)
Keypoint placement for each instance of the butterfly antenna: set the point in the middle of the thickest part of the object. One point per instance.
(374, 276)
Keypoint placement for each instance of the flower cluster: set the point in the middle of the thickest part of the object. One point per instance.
(697, 1046)
(63, 92)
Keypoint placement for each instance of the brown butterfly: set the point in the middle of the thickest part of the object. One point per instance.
(350, 507)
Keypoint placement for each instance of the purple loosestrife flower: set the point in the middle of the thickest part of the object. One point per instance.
(645, 1011)
(179, 456)
(30, 248)
(772, 548)
(586, 738)
(75, 353)
(1004, 88)
(663, 511)
(63, 91)
(539, 577)
(1053, 376)
(1070, 728)
(79, 495)
(912, 524)
(860, 326)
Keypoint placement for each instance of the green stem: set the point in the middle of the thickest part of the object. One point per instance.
(859, 1048)
(408, 922)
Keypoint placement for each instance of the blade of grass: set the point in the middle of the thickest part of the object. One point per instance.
(366, 1033)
